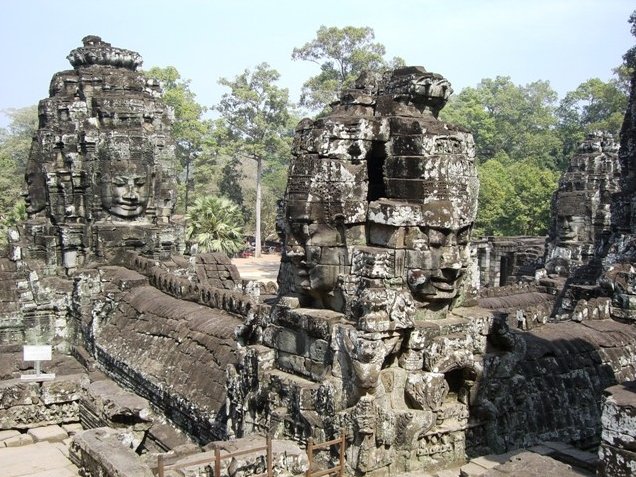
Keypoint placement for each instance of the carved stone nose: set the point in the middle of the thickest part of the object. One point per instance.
(131, 193)
(450, 259)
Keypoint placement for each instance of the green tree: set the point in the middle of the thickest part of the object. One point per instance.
(257, 125)
(629, 58)
(503, 117)
(514, 197)
(230, 183)
(190, 132)
(495, 193)
(15, 144)
(342, 54)
(15, 140)
(214, 224)
(593, 105)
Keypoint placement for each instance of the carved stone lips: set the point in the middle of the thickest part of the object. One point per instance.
(442, 285)
(128, 205)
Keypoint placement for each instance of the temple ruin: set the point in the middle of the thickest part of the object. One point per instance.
(390, 326)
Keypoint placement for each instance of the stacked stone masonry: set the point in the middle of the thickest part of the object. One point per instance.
(377, 328)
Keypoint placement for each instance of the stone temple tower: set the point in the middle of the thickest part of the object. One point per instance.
(380, 202)
(100, 175)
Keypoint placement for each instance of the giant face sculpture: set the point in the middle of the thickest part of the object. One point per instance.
(380, 193)
(125, 188)
(35, 196)
(444, 258)
(573, 217)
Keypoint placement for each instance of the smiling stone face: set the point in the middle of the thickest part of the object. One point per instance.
(581, 209)
(125, 191)
(35, 195)
(443, 264)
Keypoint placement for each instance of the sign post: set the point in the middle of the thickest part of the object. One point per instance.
(38, 353)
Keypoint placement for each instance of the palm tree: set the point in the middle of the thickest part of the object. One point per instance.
(215, 225)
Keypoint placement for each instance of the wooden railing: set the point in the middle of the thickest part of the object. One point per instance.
(311, 448)
(172, 463)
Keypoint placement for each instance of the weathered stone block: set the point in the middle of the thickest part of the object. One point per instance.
(373, 262)
(292, 362)
(63, 389)
(395, 213)
(319, 323)
(48, 434)
(386, 236)
(72, 428)
(19, 440)
(319, 350)
(99, 452)
(4, 435)
(616, 462)
(288, 341)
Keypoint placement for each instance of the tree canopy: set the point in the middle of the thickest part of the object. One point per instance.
(595, 105)
(524, 138)
(189, 130)
(514, 197)
(256, 124)
(15, 144)
(342, 54)
(504, 117)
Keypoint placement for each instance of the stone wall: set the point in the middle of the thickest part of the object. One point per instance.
(24, 405)
(547, 384)
(100, 452)
(214, 282)
(170, 351)
(503, 261)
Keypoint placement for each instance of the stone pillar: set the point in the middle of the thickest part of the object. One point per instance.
(618, 439)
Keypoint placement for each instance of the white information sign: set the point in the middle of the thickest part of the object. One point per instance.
(37, 353)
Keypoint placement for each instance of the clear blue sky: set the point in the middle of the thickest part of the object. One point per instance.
(563, 41)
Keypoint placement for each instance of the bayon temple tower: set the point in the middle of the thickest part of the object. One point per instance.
(378, 330)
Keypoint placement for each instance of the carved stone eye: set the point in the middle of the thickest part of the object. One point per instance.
(463, 235)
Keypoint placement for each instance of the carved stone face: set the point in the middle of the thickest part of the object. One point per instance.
(573, 217)
(434, 202)
(125, 191)
(35, 196)
(380, 191)
(571, 228)
(444, 261)
(316, 262)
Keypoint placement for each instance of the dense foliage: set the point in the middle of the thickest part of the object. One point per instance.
(341, 54)
(524, 139)
(15, 143)
(214, 225)
(255, 125)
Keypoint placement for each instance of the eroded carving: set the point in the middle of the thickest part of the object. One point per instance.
(101, 171)
(581, 215)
